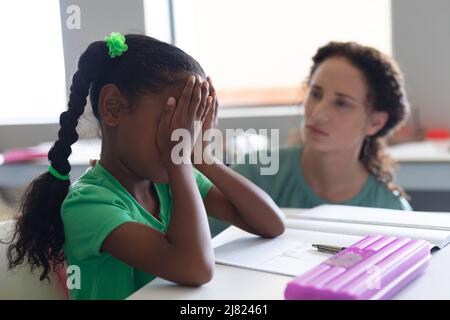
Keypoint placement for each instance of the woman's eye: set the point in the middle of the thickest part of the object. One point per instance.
(315, 95)
(341, 103)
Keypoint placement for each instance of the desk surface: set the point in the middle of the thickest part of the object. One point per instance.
(243, 284)
(227, 283)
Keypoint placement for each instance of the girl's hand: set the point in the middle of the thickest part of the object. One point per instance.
(193, 105)
(210, 122)
(211, 118)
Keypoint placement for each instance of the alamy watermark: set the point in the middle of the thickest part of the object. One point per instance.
(73, 21)
(73, 280)
(219, 147)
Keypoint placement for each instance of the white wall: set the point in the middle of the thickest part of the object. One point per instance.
(421, 44)
(98, 18)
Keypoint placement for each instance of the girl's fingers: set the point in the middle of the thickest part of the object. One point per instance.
(212, 90)
(203, 102)
(208, 109)
(185, 98)
(216, 109)
(195, 100)
(167, 114)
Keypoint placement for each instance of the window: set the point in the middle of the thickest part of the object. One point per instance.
(259, 51)
(31, 62)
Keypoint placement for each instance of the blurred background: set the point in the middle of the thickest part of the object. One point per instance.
(258, 54)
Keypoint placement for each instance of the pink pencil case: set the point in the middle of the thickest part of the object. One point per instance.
(374, 268)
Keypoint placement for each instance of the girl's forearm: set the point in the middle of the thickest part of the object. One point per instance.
(255, 207)
(188, 227)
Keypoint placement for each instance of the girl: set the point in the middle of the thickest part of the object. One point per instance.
(355, 98)
(135, 215)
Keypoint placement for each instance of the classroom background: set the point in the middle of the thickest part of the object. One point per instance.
(258, 53)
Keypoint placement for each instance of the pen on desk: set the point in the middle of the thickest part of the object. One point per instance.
(328, 249)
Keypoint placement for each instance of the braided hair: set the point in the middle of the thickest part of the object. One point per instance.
(147, 66)
(386, 93)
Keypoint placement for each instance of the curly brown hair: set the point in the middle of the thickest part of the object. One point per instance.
(386, 93)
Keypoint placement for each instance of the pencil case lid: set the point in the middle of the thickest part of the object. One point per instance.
(375, 267)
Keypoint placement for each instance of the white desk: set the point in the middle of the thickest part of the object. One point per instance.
(231, 283)
(228, 283)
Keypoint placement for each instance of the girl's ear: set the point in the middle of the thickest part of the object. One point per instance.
(377, 120)
(110, 104)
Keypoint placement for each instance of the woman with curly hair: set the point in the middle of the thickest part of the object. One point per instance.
(355, 99)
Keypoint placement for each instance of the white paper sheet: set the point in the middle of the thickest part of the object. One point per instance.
(290, 254)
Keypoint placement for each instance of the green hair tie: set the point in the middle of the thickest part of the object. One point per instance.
(116, 44)
(58, 175)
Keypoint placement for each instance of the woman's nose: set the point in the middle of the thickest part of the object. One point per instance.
(320, 112)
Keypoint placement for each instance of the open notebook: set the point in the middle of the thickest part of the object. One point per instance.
(292, 254)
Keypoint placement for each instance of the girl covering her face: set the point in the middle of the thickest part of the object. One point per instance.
(136, 214)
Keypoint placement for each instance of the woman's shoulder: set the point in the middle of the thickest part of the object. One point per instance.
(387, 196)
(289, 151)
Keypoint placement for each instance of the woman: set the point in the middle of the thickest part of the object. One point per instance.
(355, 99)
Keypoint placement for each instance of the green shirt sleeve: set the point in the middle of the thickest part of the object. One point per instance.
(203, 183)
(89, 215)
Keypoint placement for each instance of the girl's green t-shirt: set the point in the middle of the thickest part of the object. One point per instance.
(97, 204)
